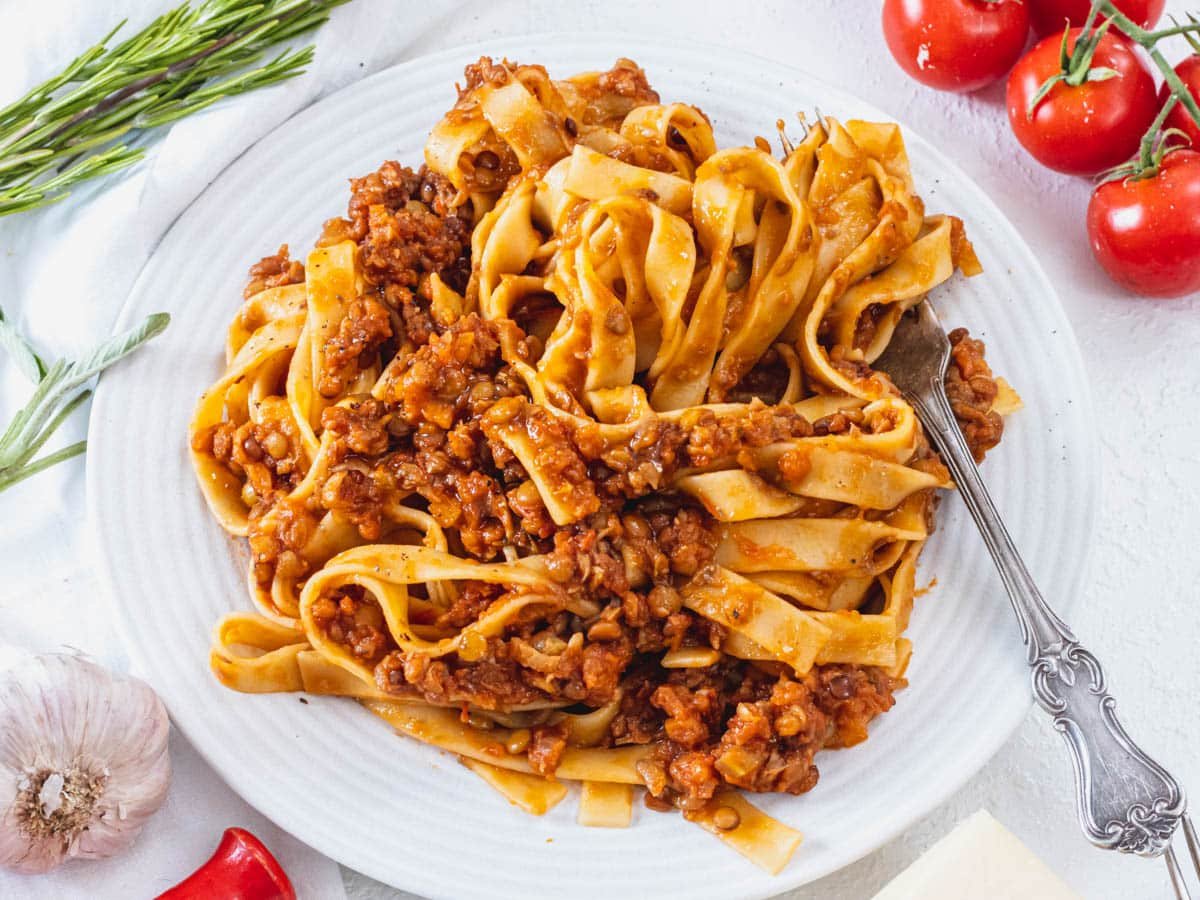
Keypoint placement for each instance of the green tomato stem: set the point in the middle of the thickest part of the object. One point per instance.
(1126, 25)
(1178, 89)
(1146, 151)
(1168, 32)
(1148, 41)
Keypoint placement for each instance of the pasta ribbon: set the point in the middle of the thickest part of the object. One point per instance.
(386, 572)
(532, 793)
(766, 842)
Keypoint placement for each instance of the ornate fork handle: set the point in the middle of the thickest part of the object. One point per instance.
(1126, 801)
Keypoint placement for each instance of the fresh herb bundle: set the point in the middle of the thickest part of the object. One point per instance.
(79, 124)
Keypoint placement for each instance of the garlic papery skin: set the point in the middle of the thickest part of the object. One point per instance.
(83, 761)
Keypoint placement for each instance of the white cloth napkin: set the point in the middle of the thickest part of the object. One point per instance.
(64, 273)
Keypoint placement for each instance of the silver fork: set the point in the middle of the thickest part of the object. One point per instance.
(1126, 801)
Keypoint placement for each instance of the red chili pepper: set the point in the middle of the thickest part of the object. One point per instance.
(241, 868)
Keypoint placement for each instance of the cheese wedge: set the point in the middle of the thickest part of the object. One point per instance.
(979, 860)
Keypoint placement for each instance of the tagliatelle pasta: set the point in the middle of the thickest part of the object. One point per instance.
(565, 454)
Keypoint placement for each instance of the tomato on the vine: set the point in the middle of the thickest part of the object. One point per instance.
(1189, 73)
(1146, 232)
(1051, 16)
(955, 45)
(1087, 128)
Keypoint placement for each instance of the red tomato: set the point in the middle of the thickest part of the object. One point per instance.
(1146, 234)
(1051, 16)
(1189, 73)
(955, 45)
(1086, 129)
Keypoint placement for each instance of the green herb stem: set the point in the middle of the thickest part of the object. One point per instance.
(61, 389)
(9, 477)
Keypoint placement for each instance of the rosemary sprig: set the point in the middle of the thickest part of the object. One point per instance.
(82, 123)
(61, 388)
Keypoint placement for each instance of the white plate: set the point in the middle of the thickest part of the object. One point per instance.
(336, 776)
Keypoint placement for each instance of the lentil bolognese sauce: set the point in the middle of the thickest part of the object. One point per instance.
(564, 451)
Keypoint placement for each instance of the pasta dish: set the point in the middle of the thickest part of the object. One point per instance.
(564, 452)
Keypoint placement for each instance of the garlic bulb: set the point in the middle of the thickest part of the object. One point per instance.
(83, 761)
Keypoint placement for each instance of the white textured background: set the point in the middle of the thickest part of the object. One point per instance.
(1138, 615)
